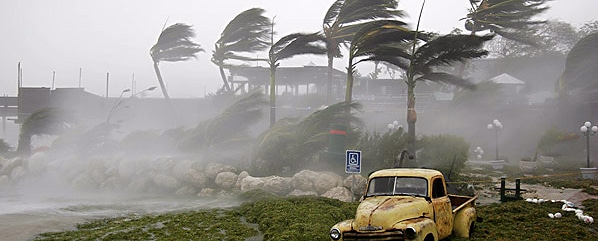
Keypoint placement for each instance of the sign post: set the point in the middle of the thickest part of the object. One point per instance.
(353, 165)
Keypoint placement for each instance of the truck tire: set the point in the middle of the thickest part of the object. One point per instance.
(430, 237)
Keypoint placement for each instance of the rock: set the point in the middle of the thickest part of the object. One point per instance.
(213, 169)
(185, 191)
(17, 173)
(83, 182)
(162, 164)
(277, 185)
(226, 180)
(240, 178)
(206, 192)
(251, 183)
(138, 185)
(326, 181)
(358, 182)
(303, 180)
(166, 181)
(339, 193)
(8, 164)
(195, 177)
(298, 192)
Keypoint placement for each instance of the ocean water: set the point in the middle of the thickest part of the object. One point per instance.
(25, 214)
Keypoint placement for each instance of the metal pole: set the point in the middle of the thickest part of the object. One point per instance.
(496, 138)
(588, 148)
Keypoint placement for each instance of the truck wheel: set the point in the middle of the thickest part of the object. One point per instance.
(471, 229)
(430, 237)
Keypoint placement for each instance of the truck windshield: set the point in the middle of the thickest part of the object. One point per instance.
(386, 186)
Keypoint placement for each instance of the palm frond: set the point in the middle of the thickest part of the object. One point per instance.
(448, 49)
(297, 44)
(448, 79)
(174, 44)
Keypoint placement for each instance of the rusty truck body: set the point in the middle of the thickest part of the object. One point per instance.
(408, 204)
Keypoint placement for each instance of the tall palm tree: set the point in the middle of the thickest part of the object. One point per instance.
(46, 121)
(174, 44)
(385, 41)
(246, 33)
(287, 47)
(344, 18)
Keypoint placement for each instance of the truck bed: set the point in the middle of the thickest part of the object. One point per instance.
(458, 201)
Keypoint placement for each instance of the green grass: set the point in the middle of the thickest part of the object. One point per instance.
(310, 218)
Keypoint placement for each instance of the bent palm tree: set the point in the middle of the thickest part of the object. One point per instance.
(246, 33)
(344, 18)
(581, 68)
(174, 44)
(287, 47)
(229, 129)
(385, 41)
(46, 121)
(293, 142)
(511, 19)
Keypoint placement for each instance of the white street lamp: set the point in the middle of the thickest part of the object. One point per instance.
(496, 125)
(588, 130)
(394, 126)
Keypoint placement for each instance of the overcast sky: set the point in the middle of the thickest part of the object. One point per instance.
(114, 36)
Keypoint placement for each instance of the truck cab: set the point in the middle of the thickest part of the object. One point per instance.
(408, 204)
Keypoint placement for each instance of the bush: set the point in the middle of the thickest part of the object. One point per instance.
(446, 153)
(381, 150)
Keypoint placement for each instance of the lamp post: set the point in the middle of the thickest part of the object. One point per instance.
(496, 126)
(120, 100)
(588, 130)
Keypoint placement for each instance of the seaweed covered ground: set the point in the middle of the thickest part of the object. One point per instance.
(264, 217)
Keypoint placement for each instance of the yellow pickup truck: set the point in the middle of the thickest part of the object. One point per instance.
(408, 204)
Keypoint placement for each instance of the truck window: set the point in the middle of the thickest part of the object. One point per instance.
(416, 186)
(438, 188)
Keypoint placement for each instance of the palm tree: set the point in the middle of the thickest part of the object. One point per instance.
(246, 33)
(230, 128)
(292, 142)
(46, 121)
(344, 18)
(386, 40)
(511, 19)
(174, 44)
(581, 68)
(287, 47)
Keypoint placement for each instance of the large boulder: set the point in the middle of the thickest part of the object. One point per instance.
(212, 169)
(226, 180)
(37, 163)
(303, 180)
(339, 193)
(185, 191)
(240, 178)
(326, 181)
(206, 192)
(165, 181)
(277, 185)
(251, 183)
(357, 183)
(17, 174)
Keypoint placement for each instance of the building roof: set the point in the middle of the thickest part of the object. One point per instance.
(506, 79)
(288, 75)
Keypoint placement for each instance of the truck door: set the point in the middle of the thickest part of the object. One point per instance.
(443, 213)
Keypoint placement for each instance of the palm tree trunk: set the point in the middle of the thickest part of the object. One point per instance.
(163, 88)
(272, 95)
(224, 80)
(24, 145)
(329, 80)
(411, 119)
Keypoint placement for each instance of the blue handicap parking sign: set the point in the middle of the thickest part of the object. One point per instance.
(353, 162)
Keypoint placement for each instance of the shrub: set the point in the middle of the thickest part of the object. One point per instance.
(381, 150)
(446, 153)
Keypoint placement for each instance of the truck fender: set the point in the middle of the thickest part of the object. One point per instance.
(425, 227)
(462, 222)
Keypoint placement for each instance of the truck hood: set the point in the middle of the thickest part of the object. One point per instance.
(382, 212)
